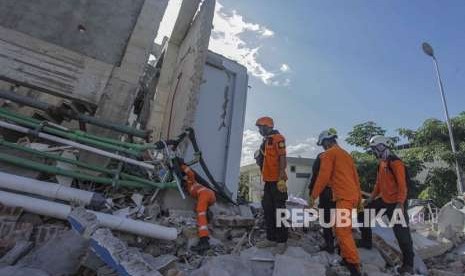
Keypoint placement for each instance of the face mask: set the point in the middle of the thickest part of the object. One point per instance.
(381, 151)
(264, 131)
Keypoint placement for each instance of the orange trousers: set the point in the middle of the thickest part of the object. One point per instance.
(344, 236)
(205, 198)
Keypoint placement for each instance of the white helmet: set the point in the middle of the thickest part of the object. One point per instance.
(326, 134)
(379, 139)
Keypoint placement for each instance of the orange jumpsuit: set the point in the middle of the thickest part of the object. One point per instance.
(338, 171)
(205, 197)
(390, 182)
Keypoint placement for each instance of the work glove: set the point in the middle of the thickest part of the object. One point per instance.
(360, 206)
(282, 187)
(368, 201)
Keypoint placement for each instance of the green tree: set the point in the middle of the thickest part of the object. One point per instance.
(361, 134)
(367, 164)
(244, 186)
(441, 184)
(430, 143)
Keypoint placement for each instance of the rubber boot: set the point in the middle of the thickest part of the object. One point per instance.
(405, 269)
(354, 269)
(202, 246)
(360, 243)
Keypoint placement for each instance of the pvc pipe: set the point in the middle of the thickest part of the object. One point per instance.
(50, 190)
(61, 211)
(77, 145)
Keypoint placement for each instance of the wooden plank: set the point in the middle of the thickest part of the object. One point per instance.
(52, 69)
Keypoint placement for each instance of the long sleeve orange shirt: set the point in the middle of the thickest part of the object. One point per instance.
(338, 171)
(391, 183)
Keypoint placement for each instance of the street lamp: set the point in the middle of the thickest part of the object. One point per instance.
(430, 52)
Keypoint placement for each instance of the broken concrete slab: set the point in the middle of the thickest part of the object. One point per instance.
(261, 260)
(326, 259)
(427, 248)
(370, 268)
(386, 242)
(225, 265)
(233, 221)
(438, 272)
(285, 266)
(58, 256)
(258, 254)
(117, 255)
(83, 222)
(372, 256)
(22, 271)
(161, 263)
(451, 219)
(298, 252)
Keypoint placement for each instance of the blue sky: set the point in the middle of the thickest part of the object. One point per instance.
(327, 63)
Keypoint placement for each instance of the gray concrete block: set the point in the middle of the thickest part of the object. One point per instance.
(22, 271)
(285, 266)
(59, 256)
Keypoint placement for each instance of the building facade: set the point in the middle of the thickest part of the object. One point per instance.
(299, 172)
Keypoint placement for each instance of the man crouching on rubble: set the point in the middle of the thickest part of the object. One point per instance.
(338, 171)
(390, 193)
(271, 158)
(205, 197)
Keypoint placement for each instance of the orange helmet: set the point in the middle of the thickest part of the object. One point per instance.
(265, 121)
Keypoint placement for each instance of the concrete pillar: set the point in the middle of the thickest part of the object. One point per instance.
(119, 94)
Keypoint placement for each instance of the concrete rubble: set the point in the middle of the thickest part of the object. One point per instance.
(84, 247)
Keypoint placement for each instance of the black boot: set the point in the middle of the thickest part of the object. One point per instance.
(329, 249)
(405, 269)
(202, 246)
(354, 269)
(360, 243)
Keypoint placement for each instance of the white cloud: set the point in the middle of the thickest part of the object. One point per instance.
(285, 68)
(306, 148)
(228, 39)
(252, 140)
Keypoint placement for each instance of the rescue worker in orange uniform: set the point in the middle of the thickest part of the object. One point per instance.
(326, 204)
(205, 198)
(338, 171)
(271, 157)
(390, 193)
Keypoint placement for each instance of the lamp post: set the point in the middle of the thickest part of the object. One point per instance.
(430, 52)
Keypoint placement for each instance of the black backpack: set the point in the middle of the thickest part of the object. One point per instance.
(408, 179)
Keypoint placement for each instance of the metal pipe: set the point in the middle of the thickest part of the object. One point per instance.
(69, 135)
(61, 211)
(449, 128)
(124, 176)
(77, 145)
(73, 115)
(50, 190)
(24, 163)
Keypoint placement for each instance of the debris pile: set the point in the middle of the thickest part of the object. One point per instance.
(63, 216)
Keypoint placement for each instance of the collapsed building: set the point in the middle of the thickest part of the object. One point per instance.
(92, 115)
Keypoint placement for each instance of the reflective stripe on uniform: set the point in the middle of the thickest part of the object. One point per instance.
(203, 227)
(202, 214)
